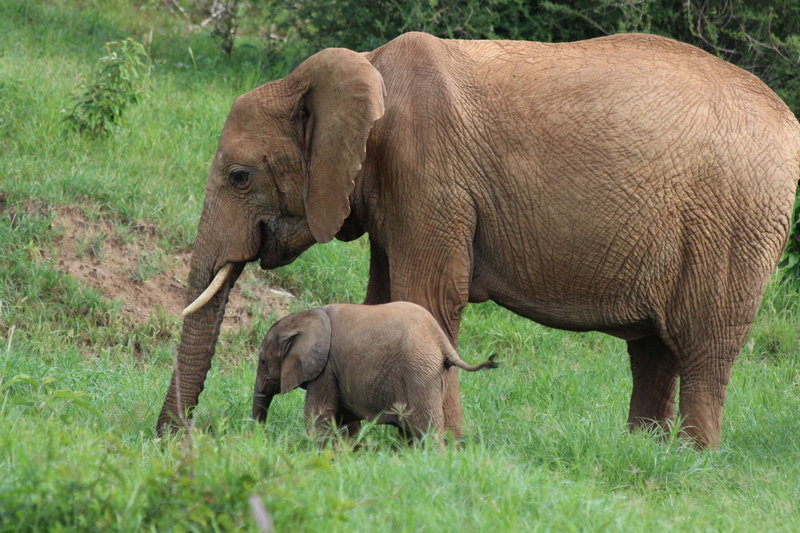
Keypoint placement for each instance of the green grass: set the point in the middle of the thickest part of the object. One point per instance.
(81, 385)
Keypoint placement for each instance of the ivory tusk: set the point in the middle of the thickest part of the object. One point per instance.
(210, 291)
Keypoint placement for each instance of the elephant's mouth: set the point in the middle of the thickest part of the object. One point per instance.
(270, 259)
(273, 253)
(282, 242)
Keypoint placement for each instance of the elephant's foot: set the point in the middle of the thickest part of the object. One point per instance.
(702, 399)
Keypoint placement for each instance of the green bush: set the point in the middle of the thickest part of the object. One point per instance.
(790, 262)
(120, 81)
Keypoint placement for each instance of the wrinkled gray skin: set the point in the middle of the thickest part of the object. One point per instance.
(360, 362)
(629, 184)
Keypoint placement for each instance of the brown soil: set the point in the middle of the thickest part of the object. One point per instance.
(129, 265)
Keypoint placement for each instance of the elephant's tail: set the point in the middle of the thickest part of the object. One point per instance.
(454, 360)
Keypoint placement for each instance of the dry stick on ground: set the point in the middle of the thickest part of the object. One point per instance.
(261, 516)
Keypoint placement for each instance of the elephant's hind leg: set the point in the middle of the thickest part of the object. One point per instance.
(704, 375)
(705, 351)
(705, 328)
(423, 418)
(655, 377)
(445, 301)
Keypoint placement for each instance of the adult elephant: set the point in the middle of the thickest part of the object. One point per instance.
(628, 184)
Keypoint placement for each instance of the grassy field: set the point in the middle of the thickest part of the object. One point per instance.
(82, 380)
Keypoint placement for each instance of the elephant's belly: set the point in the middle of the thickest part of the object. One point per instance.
(615, 314)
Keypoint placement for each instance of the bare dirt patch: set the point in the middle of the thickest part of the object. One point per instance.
(126, 263)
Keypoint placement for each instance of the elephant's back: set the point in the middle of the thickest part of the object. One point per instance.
(400, 326)
(613, 60)
(626, 100)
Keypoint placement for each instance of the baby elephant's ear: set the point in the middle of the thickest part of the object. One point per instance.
(308, 353)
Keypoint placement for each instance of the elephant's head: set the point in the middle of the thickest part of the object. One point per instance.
(294, 352)
(280, 181)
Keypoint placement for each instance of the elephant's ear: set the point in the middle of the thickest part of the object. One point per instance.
(308, 351)
(343, 98)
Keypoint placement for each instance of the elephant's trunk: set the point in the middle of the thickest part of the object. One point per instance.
(262, 398)
(198, 341)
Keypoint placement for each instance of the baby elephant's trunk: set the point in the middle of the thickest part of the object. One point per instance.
(265, 390)
(454, 360)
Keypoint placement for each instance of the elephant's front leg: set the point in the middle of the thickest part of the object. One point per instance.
(438, 280)
(322, 405)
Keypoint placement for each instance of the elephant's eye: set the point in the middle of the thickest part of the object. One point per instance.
(240, 178)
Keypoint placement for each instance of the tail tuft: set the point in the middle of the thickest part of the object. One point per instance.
(491, 363)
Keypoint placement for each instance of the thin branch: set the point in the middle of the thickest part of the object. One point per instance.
(173, 4)
(772, 47)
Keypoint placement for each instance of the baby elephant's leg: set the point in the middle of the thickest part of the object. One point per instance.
(353, 428)
(322, 405)
(423, 419)
(346, 419)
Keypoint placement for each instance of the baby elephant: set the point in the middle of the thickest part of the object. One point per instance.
(356, 362)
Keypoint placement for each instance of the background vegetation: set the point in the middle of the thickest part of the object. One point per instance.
(81, 385)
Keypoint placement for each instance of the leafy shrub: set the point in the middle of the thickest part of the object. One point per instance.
(367, 25)
(791, 256)
(120, 80)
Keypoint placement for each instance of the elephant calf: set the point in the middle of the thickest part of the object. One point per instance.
(356, 362)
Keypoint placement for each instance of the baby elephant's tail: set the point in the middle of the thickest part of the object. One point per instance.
(454, 360)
